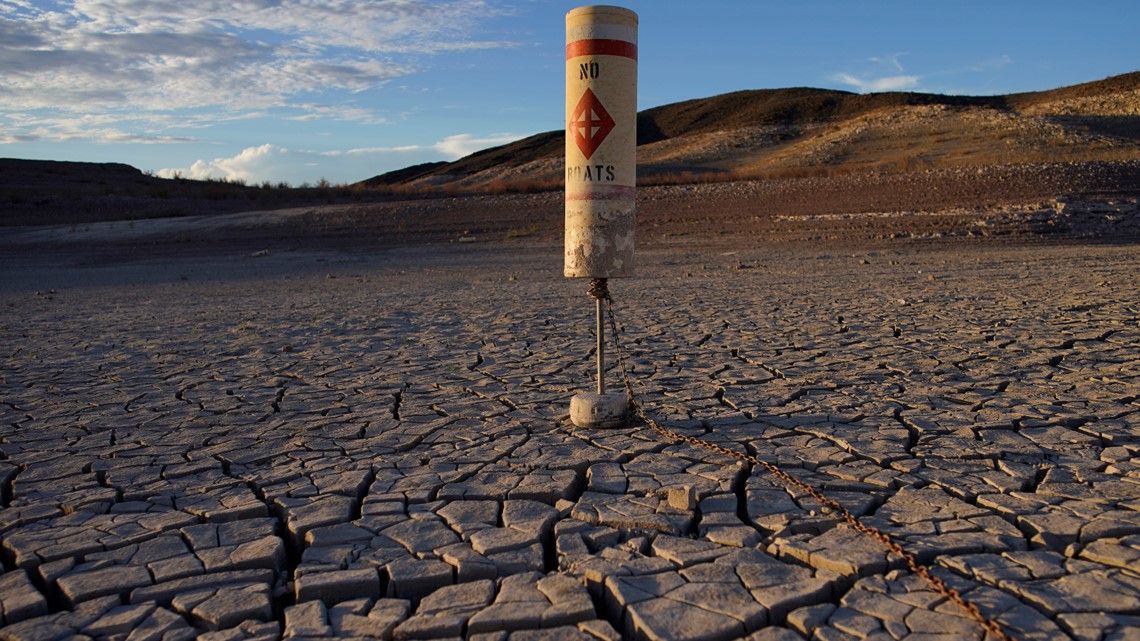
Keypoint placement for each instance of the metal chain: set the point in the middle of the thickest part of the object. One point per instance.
(989, 625)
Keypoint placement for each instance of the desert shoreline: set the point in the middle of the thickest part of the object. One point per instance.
(258, 431)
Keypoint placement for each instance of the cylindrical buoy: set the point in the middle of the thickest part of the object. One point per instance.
(601, 173)
(601, 140)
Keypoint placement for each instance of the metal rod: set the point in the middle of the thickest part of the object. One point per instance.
(601, 352)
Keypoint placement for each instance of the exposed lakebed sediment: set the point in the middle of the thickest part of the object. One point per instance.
(372, 443)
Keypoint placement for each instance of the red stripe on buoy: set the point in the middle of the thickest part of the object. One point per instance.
(603, 192)
(601, 47)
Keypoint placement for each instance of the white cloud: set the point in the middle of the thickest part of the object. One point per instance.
(314, 111)
(892, 60)
(253, 164)
(460, 145)
(269, 162)
(159, 56)
(99, 128)
(881, 73)
(889, 83)
(367, 151)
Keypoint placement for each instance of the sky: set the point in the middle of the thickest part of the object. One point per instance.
(298, 91)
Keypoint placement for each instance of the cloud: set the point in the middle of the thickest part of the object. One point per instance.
(888, 83)
(892, 60)
(880, 73)
(9, 139)
(269, 162)
(460, 145)
(19, 127)
(887, 73)
(161, 56)
(369, 151)
(251, 165)
(315, 111)
(452, 147)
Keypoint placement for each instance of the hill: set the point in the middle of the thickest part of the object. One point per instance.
(804, 131)
(46, 192)
(819, 151)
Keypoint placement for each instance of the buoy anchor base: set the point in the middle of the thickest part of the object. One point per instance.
(589, 409)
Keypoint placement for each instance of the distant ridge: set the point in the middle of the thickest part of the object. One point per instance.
(783, 131)
(807, 150)
(51, 192)
(788, 107)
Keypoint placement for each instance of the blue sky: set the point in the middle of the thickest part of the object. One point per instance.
(299, 90)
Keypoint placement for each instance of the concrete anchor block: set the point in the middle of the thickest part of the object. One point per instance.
(592, 410)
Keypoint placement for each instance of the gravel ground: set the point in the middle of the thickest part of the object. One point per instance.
(202, 441)
(755, 211)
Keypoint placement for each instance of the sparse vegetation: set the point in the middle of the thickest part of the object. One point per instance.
(744, 136)
(522, 233)
(522, 186)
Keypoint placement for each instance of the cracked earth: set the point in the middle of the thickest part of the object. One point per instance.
(376, 446)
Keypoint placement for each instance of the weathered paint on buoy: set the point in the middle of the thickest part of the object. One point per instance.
(601, 141)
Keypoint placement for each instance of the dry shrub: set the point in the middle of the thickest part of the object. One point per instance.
(523, 185)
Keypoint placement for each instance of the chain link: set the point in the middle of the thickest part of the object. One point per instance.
(989, 625)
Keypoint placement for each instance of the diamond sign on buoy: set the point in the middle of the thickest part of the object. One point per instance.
(590, 124)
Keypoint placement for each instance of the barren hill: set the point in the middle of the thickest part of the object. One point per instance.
(803, 131)
(821, 154)
(47, 192)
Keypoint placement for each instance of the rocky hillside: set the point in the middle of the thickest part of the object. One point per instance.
(820, 151)
(805, 132)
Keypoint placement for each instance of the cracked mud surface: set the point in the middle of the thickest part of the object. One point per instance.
(376, 445)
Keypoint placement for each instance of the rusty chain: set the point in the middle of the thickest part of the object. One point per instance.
(599, 290)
